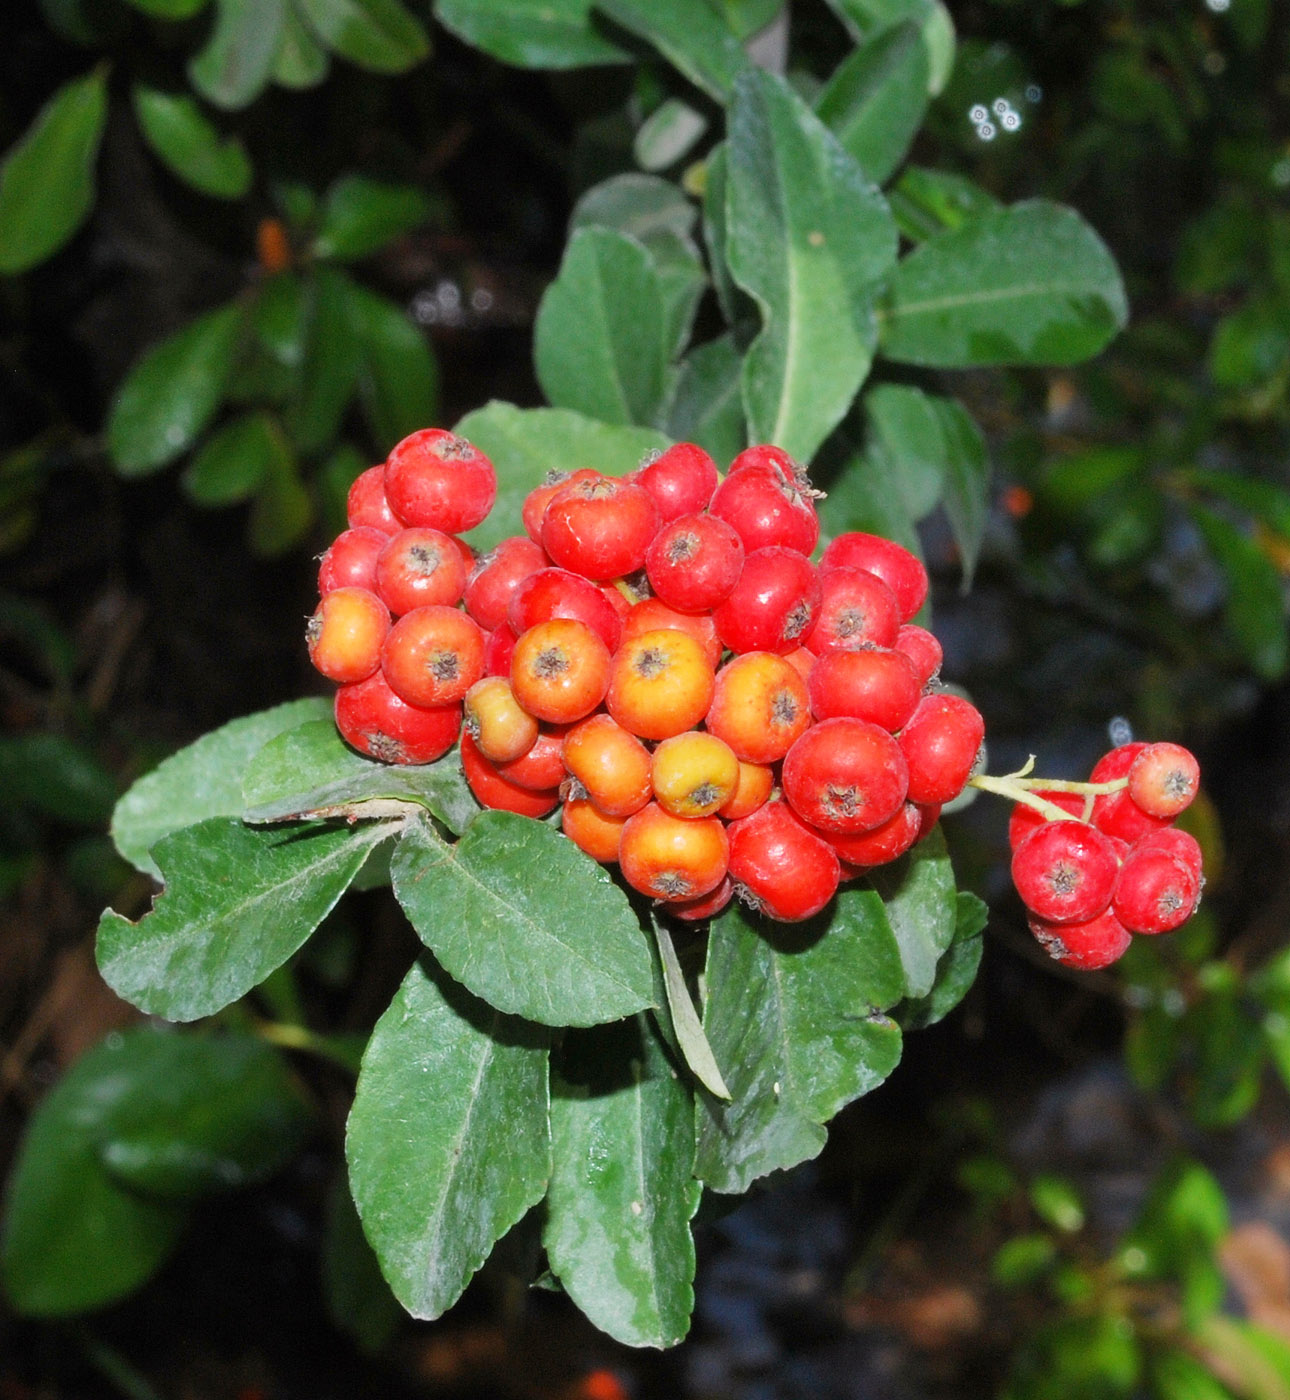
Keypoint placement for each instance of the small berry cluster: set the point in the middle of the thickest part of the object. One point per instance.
(718, 714)
(1097, 862)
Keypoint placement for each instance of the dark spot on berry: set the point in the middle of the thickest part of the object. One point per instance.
(672, 884)
(423, 559)
(1051, 943)
(798, 620)
(651, 662)
(550, 662)
(705, 795)
(313, 629)
(443, 665)
(383, 746)
(784, 708)
(683, 547)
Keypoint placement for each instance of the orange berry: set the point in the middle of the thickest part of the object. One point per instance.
(346, 633)
(661, 684)
(612, 766)
(652, 613)
(497, 722)
(591, 830)
(671, 858)
(560, 670)
(753, 790)
(760, 706)
(694, 774)
(433, 655)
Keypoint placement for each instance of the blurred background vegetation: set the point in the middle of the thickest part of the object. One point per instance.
(1075, 1186)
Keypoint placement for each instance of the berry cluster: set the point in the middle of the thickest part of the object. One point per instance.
(718, 714)
(1097, 862)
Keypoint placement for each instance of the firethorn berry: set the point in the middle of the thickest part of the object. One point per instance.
(350, 560)
(845, 775)
(346, 633)
(652, 613)
(367, 506)
(759, 706)
(766, 454)
(680, 481)
(802, 661)
(940, 744)
(1182, 845)
(617, 599)
(900, 570)
(1065, 871)
(493, 790)
(592, 830)
(600, 529)
(1155, 892)
(671, 857)
(437, 479)
(537, 500)
(753, 788)
(706, 906)
(661, 684)
(1116, 813)
(417, 568)
(922, 648)
(780, 866)
(883, 843)
(611, 766)
(372, 719)
(767, 504)
(1088, 945)
(856, 610)
(551, 593)
(542, 767)
(1026, 819)
(497, 575)
(694, 562)
(878, 685)
(433, 655)
(501, 727)
(560, 670)
(499, 647)
(1163, 779)
(694, 774)
(773, 605)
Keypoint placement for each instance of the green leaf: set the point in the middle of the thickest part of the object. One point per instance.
(686, 1027)
(1264, 500)
(358, 1299)
(921, 908)
(380, 35)
(310, 772)
(282, 509)
(637, 205)
(531, 33)
(622, 1193)
(1022, 1261)
(794, 1017)
(170, 9)
(667, 134)
(203, 780)
(232, 463)
(238, 902)
(360, 216)
(205, 1114)
(682, 281)
(809, 238)
(956, 970)
(234, 67)
(600, 343)
(1177, 1375)
(522, 918)
(716, 234)
(925, 202)
(331, 363)
(171, 394)
(50, 773)
(398, 378)
(527, 443)
(1028, 284)
(1251, 346)
(47, 178)
(1057, 1203)
(864, 490)
(448, 1141)
(707, 406)
(874, 102)
(692, 37)
(190, 145)
(73, 1238)
(301, 61)
(869, 18)
(1254, 610)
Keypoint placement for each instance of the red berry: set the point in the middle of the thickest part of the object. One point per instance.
(856, 610)
(1065, 871)
(780, 866)
(1092, 944)
(773, 605)
(497, 575)
(493, 790)
(1155, 891)
(1025, 819)
(680, 481)
(1163, 779)
(372, 719)
(437, 479)
(367, 506)
(845, 775)
(537, 500)
(433, 655)
(499, 647)
(884, 843)
(552, 593)
(350, 562)
(420, 568)
(878, 685)
(600, 529)
(923, 650)
(767, 506)
(694, 562)
(1182, 845)
(900, 570)
(705, 906)
(940, 744)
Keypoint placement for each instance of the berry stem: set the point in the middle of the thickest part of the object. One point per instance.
(1023, 789)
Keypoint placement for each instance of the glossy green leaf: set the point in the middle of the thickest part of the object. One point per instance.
(956, 971)
(600, 342)
(47, 178)
(331, 363)
(667, 134)
(1029, 284)
(686, 1029)
(42, 771)
(205, 1114)
(1252, 345)
(191, 146)
(171, 394)
(926, 201)
(282, 509)
(795, 1018)
(237, 904)
(360, 216)
(531, 33)
(867, 19)
(398, 377)
(692, 37)
(1254, 610)
(638, 205)
(381, 35)
(200, 781)
(527, 443)
(707, 406)
(874, 102)
(448, 1141)
(310, 771)
(73, 1238)
(232, 463)
(516, 913)
(810, 239)
(235, 66)
(921, 907)
(905, 426)
(622, 1194)
(301, 61)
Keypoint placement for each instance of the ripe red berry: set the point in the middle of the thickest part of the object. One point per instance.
(367, 506)
(419, 568)
(767, 505)
(346, 633)
(922, 648)
(845, 776)
(940, 744)
(537, 500)
(1025, 819)
(856, 610)
(600, 529)
(1182, 845)
(773, 605)
(499, 647)
(1089, 945)
(1163, 779)
(551, 593)
(497, 575)
(433, 655)
(372, 719)
(439, 480)
(1065, 871)
(900, 570)
(493, 790)
(705, 906)
(1155, 891)
(1116, 813)
(883, 843)
(350, 561)
(680, 481)
(780, 866)
(694, 562)
(877, 685)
